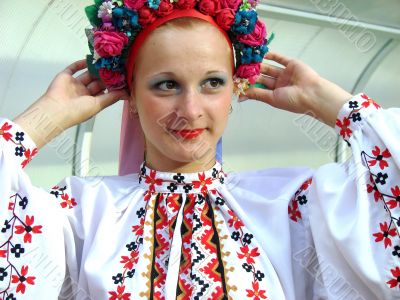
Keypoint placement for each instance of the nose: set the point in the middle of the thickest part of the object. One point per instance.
(189, 105)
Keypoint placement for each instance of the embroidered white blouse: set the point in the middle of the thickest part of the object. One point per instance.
(290, 233)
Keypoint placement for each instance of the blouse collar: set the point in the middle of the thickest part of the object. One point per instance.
(189, 183)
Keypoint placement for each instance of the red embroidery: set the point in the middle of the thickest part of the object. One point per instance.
(300, 197)
(28, 228)
(256, 293)
(119, 294)
(345, 131)
(21, 279)
(17, 139)
(66, 202)
(385, 234)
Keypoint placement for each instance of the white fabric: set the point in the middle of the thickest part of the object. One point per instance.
(330, 252)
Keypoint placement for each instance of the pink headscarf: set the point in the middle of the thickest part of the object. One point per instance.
(131, 153)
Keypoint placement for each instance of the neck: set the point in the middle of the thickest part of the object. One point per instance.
(165, 164)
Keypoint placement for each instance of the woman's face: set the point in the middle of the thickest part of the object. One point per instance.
(183, 80)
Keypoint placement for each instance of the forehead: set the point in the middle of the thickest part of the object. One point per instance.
(199, 46)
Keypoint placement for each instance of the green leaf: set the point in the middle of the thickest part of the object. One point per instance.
(91, 13)
(91, 67)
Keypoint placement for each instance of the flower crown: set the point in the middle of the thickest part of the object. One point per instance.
(116, 24)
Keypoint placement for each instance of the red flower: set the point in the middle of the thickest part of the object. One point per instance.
(209, 7)
(225, 18)
(22, 279)
(369, 101)
(385, 234)
(138, 229)
(29, 155)
(203, 182)
(256, 293)
(248, 254)
(293, 211)
(111, 78)
(130, 261)
(3, 131)
(396, 281)
(186, 4)
(28, 229)
(3, 253)
(120, 294)
(379, 157)
(146, 16)
(344, 127)
(67, 202)
(371, 188)
(164, 9)
(234, 221)
(153, 180)
(394, 202)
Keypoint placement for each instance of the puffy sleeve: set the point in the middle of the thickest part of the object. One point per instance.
(38, 241)
(351, 210)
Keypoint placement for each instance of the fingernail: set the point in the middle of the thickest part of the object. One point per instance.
(242, 98)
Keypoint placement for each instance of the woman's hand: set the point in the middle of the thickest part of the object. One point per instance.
(298, 88)
(68, 101)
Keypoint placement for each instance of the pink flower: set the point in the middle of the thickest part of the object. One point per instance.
(209, 7)
(257, 37)
(249, 71)
(232, 4)
(225, 18)
(108, 43)
(111, 78)
(134, 4)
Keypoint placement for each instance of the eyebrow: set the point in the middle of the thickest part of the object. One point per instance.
(171, 73)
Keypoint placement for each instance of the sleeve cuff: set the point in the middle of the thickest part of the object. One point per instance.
(353, 113)
(16, 142)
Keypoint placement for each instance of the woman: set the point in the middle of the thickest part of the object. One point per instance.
(180, 227)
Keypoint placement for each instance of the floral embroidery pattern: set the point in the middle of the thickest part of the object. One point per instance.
(383, 187)
(354, 115)
(10, 135)
(202, 262)
(247, 254)
(66, 200)
(21, 279)
(129, 261)
(379, 163)
(300, 197)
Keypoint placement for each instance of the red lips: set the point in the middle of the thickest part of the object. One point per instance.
(189, 134)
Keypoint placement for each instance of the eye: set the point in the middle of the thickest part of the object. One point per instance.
(214, 83)
(167, 85)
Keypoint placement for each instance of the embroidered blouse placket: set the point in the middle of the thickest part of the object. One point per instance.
(189, 242)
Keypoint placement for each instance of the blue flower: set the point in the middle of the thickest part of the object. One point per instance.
(154, 4)
(126, 20)
(245, 21)
(253, 54)
(114, 63)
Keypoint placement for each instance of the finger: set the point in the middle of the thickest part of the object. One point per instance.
(271, 70)
(262, 95)
(109, 98)
(279, 58)
(96, 87)
(76, 66)
(86, 78)
(268, 81)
